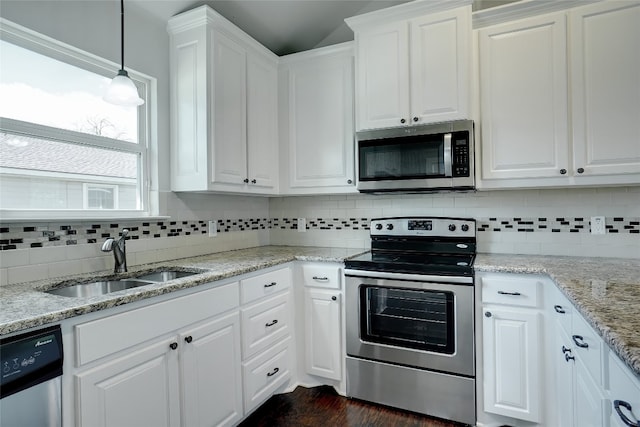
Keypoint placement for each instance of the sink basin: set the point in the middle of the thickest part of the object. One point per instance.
(164, 276)
(98, 288)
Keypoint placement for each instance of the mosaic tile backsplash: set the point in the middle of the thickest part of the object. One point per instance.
(17, 236)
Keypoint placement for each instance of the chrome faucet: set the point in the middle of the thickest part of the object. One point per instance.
(119, 251)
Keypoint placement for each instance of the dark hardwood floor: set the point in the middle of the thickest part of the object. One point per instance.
(322, 406)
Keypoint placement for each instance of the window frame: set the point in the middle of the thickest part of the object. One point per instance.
(87, 186)
(146, 147)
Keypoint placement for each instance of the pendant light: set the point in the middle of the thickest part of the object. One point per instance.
(122, 91)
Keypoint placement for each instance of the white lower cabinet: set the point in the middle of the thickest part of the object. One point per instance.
(624, 393)
(322, 333)
(185, 377)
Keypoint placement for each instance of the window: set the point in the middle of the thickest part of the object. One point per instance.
(64, 151)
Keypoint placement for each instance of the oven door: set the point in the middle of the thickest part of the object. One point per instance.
(421, 324)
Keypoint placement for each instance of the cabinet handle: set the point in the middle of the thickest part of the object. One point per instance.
(567, 357)
(580, 170)
(415, 119)
(272, 373)
(253, 181)
(515, 294)
(566, 350)
(403, 121)
(349, 181)
(268, 285)
(488, 314)
(173, 345)
(563, 171)
(273, 322)
(579, 340)
(246, 180)
(188, 339)
(320, 279)
(334, 298)
(559, 309)
(617, 404)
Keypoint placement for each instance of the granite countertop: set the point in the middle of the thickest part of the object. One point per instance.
(606, 291)
(25, 306)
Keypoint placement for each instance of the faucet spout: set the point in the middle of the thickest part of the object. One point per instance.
(119, 251)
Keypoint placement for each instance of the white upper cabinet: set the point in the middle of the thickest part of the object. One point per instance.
(317, 135)
(412, 70)
(223, 107)
(559, 96)
(605, 88)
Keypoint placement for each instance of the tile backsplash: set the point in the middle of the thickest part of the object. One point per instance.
(551, 222)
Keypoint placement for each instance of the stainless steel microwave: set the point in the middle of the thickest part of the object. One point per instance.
(425, 158)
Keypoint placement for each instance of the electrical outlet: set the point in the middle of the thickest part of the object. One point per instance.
(302, 225)
(213, 228)
(598, 225)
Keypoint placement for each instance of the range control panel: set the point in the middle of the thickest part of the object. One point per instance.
(423, 226)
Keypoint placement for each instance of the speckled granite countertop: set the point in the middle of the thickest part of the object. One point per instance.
(606, 291)
(24, 306)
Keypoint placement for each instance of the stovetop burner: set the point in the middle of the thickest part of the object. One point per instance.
(433, 246)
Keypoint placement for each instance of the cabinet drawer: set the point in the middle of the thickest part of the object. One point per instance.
(321, 276)
(511, 290)
(624, 387)
(588, 347)
(264, 374)
(265, 284)
(265, 323)
(111, 334)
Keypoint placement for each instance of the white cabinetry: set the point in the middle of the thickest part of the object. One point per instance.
(223, 107)
(267, 353)
(158, 375)
(624, 392)
(511, 346)
(316, 100)
(412, 65)
(526, 100)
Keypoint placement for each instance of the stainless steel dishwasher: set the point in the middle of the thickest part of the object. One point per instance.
(30, 387)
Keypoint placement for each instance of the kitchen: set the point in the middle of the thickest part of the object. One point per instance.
(564, 212)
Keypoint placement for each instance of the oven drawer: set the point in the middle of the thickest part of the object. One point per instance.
(511, 289)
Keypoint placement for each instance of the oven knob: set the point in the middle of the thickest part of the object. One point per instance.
(378, 226)
(389, 226)
(465, 227)
(452, 227)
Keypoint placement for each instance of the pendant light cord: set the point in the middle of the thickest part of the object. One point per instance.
(122, 33)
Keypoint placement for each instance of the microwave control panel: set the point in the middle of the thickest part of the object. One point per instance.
(460, 153)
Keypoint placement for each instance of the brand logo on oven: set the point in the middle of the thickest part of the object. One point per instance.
(43, 342)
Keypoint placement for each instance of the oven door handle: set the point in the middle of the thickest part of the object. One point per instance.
(407, 276)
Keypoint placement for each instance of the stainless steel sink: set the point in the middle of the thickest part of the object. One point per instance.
(164, 276)
(98, 288)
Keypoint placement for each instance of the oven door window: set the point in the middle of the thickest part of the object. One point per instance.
(420, 319)
(410, 158)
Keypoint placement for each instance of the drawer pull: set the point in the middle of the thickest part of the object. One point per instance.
(617, 404)
(321, 279)
(515, 294)
(579, 340)
(268, 285)
(559, 309)
(272, 373)
(272, 323)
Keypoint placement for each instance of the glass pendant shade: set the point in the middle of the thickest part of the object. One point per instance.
(122, 91)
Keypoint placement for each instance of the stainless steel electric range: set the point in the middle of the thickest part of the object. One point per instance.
(410, 317)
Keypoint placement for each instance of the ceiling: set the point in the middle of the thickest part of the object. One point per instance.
(284, 26)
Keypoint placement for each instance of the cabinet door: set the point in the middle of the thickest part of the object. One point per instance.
(323, 353)
(138, 389)
(212, 373)
(523, 90)
(262, 123)
(564, 367)
(321, 145)
(511, 362)
(229, 121)
(591, 408)
(440, 61)
(605, 77)
(382, 88)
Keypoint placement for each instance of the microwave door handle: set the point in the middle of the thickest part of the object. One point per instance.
(448, 167)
